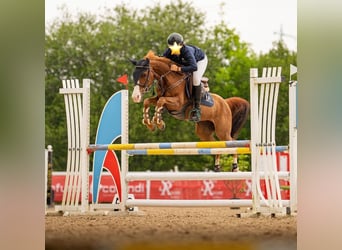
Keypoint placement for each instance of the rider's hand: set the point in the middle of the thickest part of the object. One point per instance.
(174, 67)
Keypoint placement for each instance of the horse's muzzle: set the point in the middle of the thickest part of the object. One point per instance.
(136, 95)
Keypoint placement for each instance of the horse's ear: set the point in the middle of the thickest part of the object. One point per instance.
(134, 62)
(146, 62)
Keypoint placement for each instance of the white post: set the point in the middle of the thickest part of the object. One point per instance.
(148, 187)
(254, 135)
(85, 134)
(124, 155)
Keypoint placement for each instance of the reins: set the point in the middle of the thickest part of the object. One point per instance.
(160, 80)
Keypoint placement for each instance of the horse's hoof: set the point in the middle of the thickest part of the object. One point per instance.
(161, 125)
(235, 167)
(151, 127)
(217, 168)
(155, 120)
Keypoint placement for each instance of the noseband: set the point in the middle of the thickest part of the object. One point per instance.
(145, 84)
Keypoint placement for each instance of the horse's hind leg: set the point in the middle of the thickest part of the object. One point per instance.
(205, 131)
(223, 134)
(240, 111)
(217, 166)
(235, 167)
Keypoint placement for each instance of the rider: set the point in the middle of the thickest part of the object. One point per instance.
(192, 59)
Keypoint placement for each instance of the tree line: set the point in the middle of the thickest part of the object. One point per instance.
(98, 47)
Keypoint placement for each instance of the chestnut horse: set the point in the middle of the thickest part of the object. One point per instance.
(224, 118)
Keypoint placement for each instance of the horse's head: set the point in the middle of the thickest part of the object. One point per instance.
(143, 78)
(146, 71)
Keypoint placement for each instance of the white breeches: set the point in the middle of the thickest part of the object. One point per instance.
(201, 67)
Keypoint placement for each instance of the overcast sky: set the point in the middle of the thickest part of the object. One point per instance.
(258, 22)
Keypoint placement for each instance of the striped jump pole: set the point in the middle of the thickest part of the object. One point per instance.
(170, 145)
(189, 151)
(168, 149)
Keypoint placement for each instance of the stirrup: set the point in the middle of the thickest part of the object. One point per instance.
(195, 115)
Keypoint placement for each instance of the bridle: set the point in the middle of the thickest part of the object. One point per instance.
(160, 78)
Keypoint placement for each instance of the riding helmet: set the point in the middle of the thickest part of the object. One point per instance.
(175, 37)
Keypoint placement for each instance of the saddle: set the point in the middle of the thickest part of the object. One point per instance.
(206, 98)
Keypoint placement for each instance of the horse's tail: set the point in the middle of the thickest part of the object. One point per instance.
(240, 112)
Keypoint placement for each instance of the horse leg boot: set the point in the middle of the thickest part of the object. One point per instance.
(195, 114)
(235, 167)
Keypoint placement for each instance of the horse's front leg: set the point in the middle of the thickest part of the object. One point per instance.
(217, 167)
(162, 101)
(158, 118)
(146, 117)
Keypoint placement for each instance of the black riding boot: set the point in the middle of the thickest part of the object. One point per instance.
(195, 114)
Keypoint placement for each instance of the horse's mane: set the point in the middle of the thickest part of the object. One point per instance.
(152, 56)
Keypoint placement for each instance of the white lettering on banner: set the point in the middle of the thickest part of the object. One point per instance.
(58, 188)
(167, 185)
(108, 188)
(249, 187)
(136, 188)
(208, 187)
(131, 188)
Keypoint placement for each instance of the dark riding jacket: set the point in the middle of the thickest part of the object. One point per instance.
(188, 58)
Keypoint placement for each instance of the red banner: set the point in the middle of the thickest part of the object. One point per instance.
(183, 190)
(206, 189)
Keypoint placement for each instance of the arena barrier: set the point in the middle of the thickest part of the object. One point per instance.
(262, 147)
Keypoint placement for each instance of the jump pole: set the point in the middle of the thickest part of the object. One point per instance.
(156, 175)
(169, 145)
(151, 150)
(194, 203)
